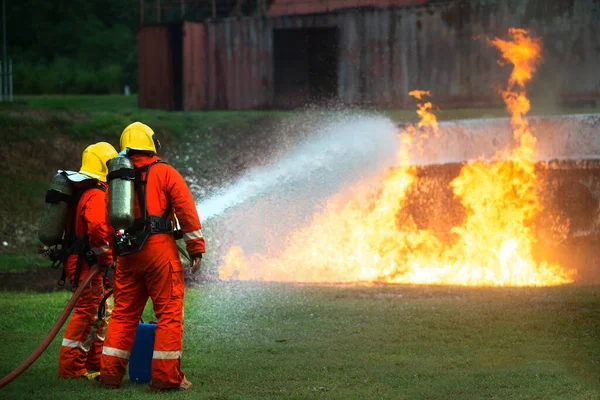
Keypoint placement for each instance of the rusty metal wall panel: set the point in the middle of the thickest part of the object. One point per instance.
(243, 71)
(155, 74)
(239, 64)
(290, 7)
(385, 53)
(233, 59)
(225, 54)
(385, 65)
(400, 60)
(253, 64)
(195, 66)
(239, 83)
(213, 71)
(350, 59)
(211, 76)
(367, 59)
(445, 49)
(231, 64)
(266, 61)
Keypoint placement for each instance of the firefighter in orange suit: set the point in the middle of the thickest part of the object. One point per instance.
(88, 239)
(149, 266)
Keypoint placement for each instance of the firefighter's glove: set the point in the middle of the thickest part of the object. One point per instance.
(195, 262)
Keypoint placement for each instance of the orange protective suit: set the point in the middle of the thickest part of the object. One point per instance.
(82, 343)
(156, 272)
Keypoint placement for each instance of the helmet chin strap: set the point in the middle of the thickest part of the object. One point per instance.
(156, 142)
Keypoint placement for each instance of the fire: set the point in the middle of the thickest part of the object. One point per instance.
(428, 120)
(525, 53)
(361, 236)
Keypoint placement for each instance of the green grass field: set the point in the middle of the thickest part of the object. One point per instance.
(103, 117)
(256, 341)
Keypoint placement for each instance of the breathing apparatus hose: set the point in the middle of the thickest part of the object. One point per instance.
(59, 323)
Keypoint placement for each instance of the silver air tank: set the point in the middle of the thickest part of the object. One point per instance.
(58, 196)
(120, 192)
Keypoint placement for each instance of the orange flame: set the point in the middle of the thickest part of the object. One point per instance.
(523, 51)
(422, 131)
(367, 238)
(525, 54)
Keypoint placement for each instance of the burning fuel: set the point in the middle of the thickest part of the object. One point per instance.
(366, 235)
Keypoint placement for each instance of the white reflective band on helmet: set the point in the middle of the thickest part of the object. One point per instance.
(111, 351)
(193, 235)
(72, 343)
(100, 250)
(166, 355)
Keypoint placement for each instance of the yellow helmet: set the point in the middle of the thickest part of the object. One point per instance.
(138, 136)
(94, 158)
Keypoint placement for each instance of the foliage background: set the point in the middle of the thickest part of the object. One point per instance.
(72, 47)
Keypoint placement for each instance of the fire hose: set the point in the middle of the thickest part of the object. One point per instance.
(57, 326)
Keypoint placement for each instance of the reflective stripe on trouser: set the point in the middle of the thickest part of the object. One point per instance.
(154, 272)
(74, 353)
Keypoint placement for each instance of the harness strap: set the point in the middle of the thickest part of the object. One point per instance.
(141, 186)
(147, 224)
(121, 173)
(73, 244)
(81, 247)
(54, 196)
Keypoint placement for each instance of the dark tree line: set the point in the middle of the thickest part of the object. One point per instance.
(72, 46)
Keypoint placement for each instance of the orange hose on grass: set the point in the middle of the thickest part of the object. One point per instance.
(59, 323)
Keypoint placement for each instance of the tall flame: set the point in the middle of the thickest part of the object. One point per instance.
(525, 53)
(365, 237)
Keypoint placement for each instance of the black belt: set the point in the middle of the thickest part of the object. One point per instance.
(160, 225)
(153, 225)
(141, 230)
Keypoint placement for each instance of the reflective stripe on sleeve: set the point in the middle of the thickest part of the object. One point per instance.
(111, 351)
(166, 355)
(72, 343)
(100, 250)
(193, 235)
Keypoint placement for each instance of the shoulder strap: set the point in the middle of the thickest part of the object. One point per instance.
(140, 185)
(142, 228)
(74, 204)
(71, 239)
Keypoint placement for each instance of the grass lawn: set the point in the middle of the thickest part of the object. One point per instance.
(256, 341)
(103, 117)
(22, 261)
(97, 116)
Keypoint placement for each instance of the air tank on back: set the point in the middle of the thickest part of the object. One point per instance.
(120, 192)
(58, 196)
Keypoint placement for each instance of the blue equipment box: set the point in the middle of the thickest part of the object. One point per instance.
(140, 360)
